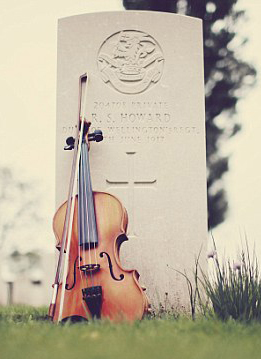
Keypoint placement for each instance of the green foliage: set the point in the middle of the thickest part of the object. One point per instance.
(230, 291)
(235, 290)
(227, 77)
(29, 337)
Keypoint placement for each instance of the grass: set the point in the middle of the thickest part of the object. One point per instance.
(25, 333)
(230, 327)
(230, 291)
(234, 289)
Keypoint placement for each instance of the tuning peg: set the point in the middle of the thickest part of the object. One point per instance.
(96, 136)
(70, 143)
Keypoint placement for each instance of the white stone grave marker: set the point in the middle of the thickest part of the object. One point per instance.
(146, 93)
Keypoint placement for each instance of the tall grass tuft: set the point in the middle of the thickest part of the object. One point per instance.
(194, 291)
(234, 289)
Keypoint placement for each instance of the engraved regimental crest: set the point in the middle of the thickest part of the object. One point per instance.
(130, 61)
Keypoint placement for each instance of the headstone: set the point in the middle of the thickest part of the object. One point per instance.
(30, 286)
(146, 94)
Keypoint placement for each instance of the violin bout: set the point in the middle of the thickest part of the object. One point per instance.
(96, 285)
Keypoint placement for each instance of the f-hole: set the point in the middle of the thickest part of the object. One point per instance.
(110, 267)
(74, 275)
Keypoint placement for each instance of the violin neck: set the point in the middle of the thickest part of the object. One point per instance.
(87, 229)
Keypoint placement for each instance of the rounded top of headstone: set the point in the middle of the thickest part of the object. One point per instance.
(130, 61)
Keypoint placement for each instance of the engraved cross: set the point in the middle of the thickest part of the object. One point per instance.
(131, 184)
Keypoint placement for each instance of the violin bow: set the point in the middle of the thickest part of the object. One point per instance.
(62, 266)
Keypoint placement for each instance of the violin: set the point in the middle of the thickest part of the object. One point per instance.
(90, 227)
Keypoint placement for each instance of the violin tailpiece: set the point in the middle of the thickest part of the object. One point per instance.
(93, 298)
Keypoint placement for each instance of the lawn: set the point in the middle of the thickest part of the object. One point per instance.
(25, 333)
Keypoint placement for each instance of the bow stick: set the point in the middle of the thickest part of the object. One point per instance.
(62, 266)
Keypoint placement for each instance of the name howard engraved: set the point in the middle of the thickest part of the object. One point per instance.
(130, 117)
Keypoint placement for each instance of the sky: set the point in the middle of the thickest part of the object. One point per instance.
(28, 104)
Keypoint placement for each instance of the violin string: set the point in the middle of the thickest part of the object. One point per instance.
(80, 222)
(90, 206)
(84, 278)
(82, 214)
(92, 212)
(87, 227)
(86, 217)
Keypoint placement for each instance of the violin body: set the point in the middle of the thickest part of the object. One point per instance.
(114, 293)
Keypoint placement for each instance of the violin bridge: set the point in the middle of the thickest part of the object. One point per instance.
(89, 268)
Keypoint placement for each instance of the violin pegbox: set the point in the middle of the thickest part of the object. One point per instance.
(96, 136)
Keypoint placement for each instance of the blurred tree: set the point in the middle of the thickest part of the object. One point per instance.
(18, 204)
(22, 236)
(226, 78)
